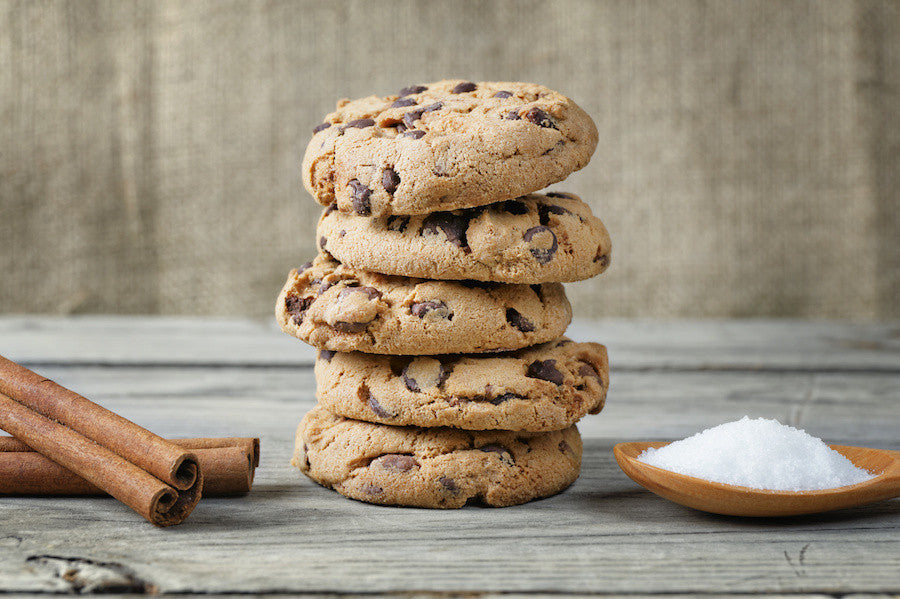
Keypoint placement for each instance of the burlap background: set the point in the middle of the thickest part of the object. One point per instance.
(748, 162)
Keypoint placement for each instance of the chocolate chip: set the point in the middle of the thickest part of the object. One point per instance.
(425, 372)
(342, 232)
(306, 461)
(545, 210)
(397, 223)
(545, 370)
(542, 255)
(355, 327)
(449, 484)
(564, 447)
(518, 321)
(414, 134)
(372, 490)
(397, 461)
(515, 207)
(602, 258)
(454, 226)
(359, 124)
(436, 307)
(512, 115)
(412, 89)
(588, 370)
(505, 397)
(564, 342)
(539, 117)
(505, 455)
(446, 371)
(410, 118)
(322, 241)
(349, 327)
(321, 127)
(390, 180)
(411, 383)
(559, 194)
(296, 306)
(330, 208)
(304, 267)
(462, 88)
(361, 195)
(403, 102)
(326, 354)
(370, 292)
(378, 409)
(503, 94)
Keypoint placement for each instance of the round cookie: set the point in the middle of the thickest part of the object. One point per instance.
(445, 145)
(532, 239)
(335, 307)
(435, 468)
(543, 388)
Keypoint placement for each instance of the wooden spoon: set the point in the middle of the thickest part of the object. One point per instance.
(734, 500)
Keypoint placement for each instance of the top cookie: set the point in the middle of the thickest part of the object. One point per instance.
(446, 145)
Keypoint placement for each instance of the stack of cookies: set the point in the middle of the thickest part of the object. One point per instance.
(436, 302)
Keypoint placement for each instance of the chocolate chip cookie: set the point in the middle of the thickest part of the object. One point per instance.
(335, 307)
(434, 467)
(445, 145)
(541, 388)
(532, 239)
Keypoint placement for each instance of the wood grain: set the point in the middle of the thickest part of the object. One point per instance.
(765, 345)
(604, 535)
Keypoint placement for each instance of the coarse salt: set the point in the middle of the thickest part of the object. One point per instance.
(760, 454)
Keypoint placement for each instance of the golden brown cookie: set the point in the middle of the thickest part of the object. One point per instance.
(434, 467)
(541, 388)
(445, 145)
(532, 239)
(335, 307)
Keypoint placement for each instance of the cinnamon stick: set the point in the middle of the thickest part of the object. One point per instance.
(154, 477)
(228, 466)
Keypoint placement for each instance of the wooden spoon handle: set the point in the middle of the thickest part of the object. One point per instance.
(892, 473)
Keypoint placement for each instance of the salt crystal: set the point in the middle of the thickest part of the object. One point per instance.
(760, 454)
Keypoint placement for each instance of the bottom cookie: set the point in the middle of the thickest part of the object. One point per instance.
(434, 467)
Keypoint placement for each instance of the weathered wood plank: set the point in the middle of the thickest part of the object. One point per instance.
(750, 345)
(118, 340)
(191, 401)
(604, 534)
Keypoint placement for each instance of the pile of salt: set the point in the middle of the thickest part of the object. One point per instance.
(760, 454)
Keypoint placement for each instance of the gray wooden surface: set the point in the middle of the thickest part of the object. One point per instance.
(604, 535)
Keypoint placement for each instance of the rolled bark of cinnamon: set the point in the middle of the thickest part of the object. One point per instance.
(154, 477)
(139, 446)
(227, 465)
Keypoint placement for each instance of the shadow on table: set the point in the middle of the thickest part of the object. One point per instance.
(639, 504)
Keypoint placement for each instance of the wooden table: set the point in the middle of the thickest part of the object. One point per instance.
(605, 535)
